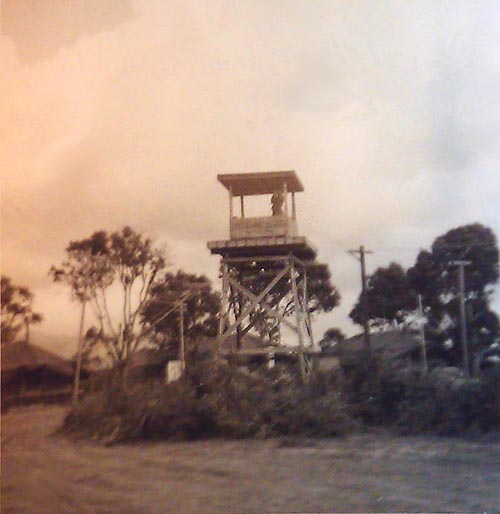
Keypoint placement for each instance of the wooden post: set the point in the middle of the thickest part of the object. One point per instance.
(76, 384)
(181, 335)
(242, 205)
(285, 196)
(298, 317)
(294, 213)
(306, 310)
(463, 322)
(364, 297)
(230, 190)
(422, 333)
(224, 304)
(27, 329)
(364, 300)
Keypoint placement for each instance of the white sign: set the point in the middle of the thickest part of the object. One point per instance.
(173, 371)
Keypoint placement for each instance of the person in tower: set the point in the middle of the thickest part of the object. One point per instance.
(277, 201)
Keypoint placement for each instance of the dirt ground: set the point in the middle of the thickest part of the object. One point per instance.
(42, 473)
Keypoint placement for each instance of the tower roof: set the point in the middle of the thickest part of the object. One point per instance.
(246, 184)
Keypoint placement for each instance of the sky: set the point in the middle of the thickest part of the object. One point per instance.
(123, 113)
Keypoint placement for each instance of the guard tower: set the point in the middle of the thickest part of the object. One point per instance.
(264, 269)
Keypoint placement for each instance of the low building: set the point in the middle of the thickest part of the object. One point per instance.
(31, 374)
(391, 347)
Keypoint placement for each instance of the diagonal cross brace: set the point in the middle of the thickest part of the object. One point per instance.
(272, 311)
(254, 303)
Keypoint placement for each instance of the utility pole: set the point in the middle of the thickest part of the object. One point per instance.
(422, 332)
(76, 383)
(463, 325)
(181, 334)
(360, 255)
(181, 305)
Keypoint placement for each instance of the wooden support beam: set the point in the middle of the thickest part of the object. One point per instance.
(259, 316)
(298, 316)
(271, 311)
(224, 305)
(242, 206)
(249, 308)
(285, 196)
(306, 309)
(264, 258)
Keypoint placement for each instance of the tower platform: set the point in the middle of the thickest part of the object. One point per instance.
(270, 246)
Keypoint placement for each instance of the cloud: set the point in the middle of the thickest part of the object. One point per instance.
(389, 113)
(40, 29)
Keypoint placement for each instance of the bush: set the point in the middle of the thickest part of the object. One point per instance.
(218, 400)
(398, 394)
(215, 401)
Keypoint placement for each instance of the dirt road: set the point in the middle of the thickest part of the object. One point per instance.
(47, 474)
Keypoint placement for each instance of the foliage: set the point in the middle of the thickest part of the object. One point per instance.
(436, 280)
(215, 400)
(390, 297)
(17, 310)
(392, 293)
(400, 396)
(449, 407)
(161, 312)
(323, 295)
(331, 338)
(123, 263)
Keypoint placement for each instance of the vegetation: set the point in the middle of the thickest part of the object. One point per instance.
(124, 264)
(215, 400)
(17, 311)
(392, 292)
(434, 278)
(161, 313)
(390, 297)
(331, 338)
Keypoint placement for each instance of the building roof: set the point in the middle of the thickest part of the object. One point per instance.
(246, 184)
(30, 357)
(393, 344)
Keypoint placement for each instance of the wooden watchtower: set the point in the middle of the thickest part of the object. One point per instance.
(264, 268)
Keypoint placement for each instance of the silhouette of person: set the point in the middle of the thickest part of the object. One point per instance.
(277, 201)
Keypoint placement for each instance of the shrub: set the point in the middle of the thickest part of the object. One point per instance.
(215, 401)
(398, 394)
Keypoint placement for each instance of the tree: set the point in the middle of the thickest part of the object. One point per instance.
(124, 265)
(17, 311)
(161, 313)
(332, 337)
(390, 297)
(435, 278)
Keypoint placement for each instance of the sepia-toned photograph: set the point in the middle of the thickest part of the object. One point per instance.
(249, 256)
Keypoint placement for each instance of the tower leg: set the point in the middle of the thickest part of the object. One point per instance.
(224, 304)
(298, 317)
